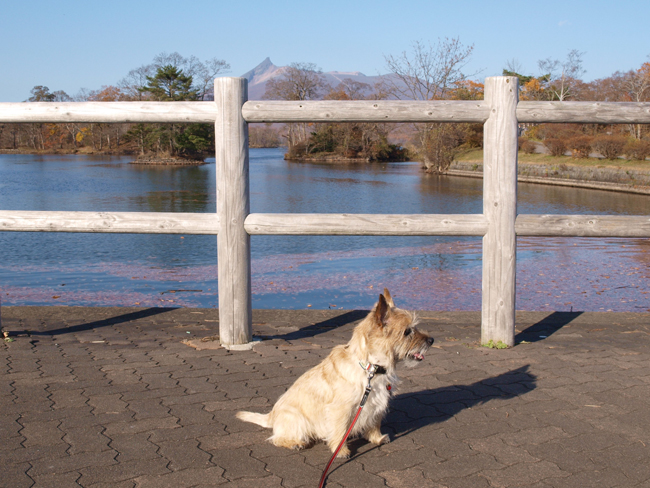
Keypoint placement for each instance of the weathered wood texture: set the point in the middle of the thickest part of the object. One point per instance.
(500, 210)
(233, 206)
(365, 111)
(583, 225)
(113, 222)
(322, 224)
(366, 224)
(584, 112)
(109, 112)
(323, 111)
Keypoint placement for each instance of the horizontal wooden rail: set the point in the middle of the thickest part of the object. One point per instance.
(324, 111)
(584, 112)
(366, 224)
(583, 225)
(365, 111)
(113, 222)
(109, 112)
(322, 224)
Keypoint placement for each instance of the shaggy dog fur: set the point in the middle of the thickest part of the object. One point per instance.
(321, 404)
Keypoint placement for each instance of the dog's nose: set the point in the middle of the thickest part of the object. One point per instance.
(430, 340)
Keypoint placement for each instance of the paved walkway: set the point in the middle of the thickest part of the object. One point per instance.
(114, 397)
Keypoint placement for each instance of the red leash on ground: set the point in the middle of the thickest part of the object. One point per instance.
(371, 368)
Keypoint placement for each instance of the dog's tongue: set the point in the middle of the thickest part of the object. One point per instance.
(418, 356)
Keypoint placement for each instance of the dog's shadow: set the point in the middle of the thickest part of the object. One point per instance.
(409, 412)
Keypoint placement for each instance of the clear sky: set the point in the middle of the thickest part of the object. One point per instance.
(70, 44)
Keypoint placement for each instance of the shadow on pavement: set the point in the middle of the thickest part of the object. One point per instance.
(120, 319)
(409, 412)
(546, 326)
(321, 327)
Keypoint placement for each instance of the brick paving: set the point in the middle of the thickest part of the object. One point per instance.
(115, 397)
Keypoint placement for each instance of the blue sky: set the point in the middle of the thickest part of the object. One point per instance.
(69, 44)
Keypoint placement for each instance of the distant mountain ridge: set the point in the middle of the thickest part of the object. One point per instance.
(266, 70)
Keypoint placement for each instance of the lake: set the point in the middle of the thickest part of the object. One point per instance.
(426, 273)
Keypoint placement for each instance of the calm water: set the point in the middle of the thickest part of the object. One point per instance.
(434, 273)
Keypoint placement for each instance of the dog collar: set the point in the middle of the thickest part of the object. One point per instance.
(372, 368)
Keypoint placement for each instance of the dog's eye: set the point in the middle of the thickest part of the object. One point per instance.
(407, 332)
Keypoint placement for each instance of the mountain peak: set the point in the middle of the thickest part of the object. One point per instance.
(261, 72)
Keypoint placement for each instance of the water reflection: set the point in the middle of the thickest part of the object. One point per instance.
(296, 271)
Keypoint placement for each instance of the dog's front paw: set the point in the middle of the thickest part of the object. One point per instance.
(384, 439)
(344, 453)
(377, 438)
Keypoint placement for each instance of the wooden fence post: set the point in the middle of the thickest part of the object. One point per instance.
(500, 209)
(233, 206)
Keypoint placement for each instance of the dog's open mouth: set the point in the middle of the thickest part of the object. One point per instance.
(417, 356)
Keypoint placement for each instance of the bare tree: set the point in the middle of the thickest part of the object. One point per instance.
(135, 80)
(428, 72)
(514, 66)
(637, 88)
(563, 75)
(298, 81)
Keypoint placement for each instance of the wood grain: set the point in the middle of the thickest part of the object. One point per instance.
(500, 210)
(233, 206)
(109, 222)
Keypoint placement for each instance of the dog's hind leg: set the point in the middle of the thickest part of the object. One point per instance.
(290, 431)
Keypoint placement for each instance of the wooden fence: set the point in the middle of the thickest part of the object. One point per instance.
(231, 112)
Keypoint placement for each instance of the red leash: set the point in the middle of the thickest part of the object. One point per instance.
(371, 368)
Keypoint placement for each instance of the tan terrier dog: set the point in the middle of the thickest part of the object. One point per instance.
(322, 403)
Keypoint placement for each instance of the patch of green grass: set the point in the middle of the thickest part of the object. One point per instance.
(495, 345)
(476, 155)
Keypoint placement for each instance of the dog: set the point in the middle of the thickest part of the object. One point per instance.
(322, 403)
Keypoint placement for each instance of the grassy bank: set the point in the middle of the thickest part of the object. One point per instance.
(615, 175)
(476, 156)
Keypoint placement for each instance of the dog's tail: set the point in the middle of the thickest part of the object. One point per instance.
(262, 419)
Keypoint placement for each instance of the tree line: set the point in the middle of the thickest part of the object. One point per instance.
(429, 71)
(437, 71)
(170, 77)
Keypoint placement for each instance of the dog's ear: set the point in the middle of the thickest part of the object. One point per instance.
(381, 311)
(389, 299)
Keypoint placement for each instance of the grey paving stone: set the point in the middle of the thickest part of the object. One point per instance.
(86, 439)
(184, 454)
(42, 433)
(238, 463)
(15, 476)
(524, 474)
(556, 412)
(134, 447)
(65, 464)
(123, 471)
(145, 409)
(210, 476)
(137, 426)
(293, 471)
(191, 414)
(59, 480)
(408, 478)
